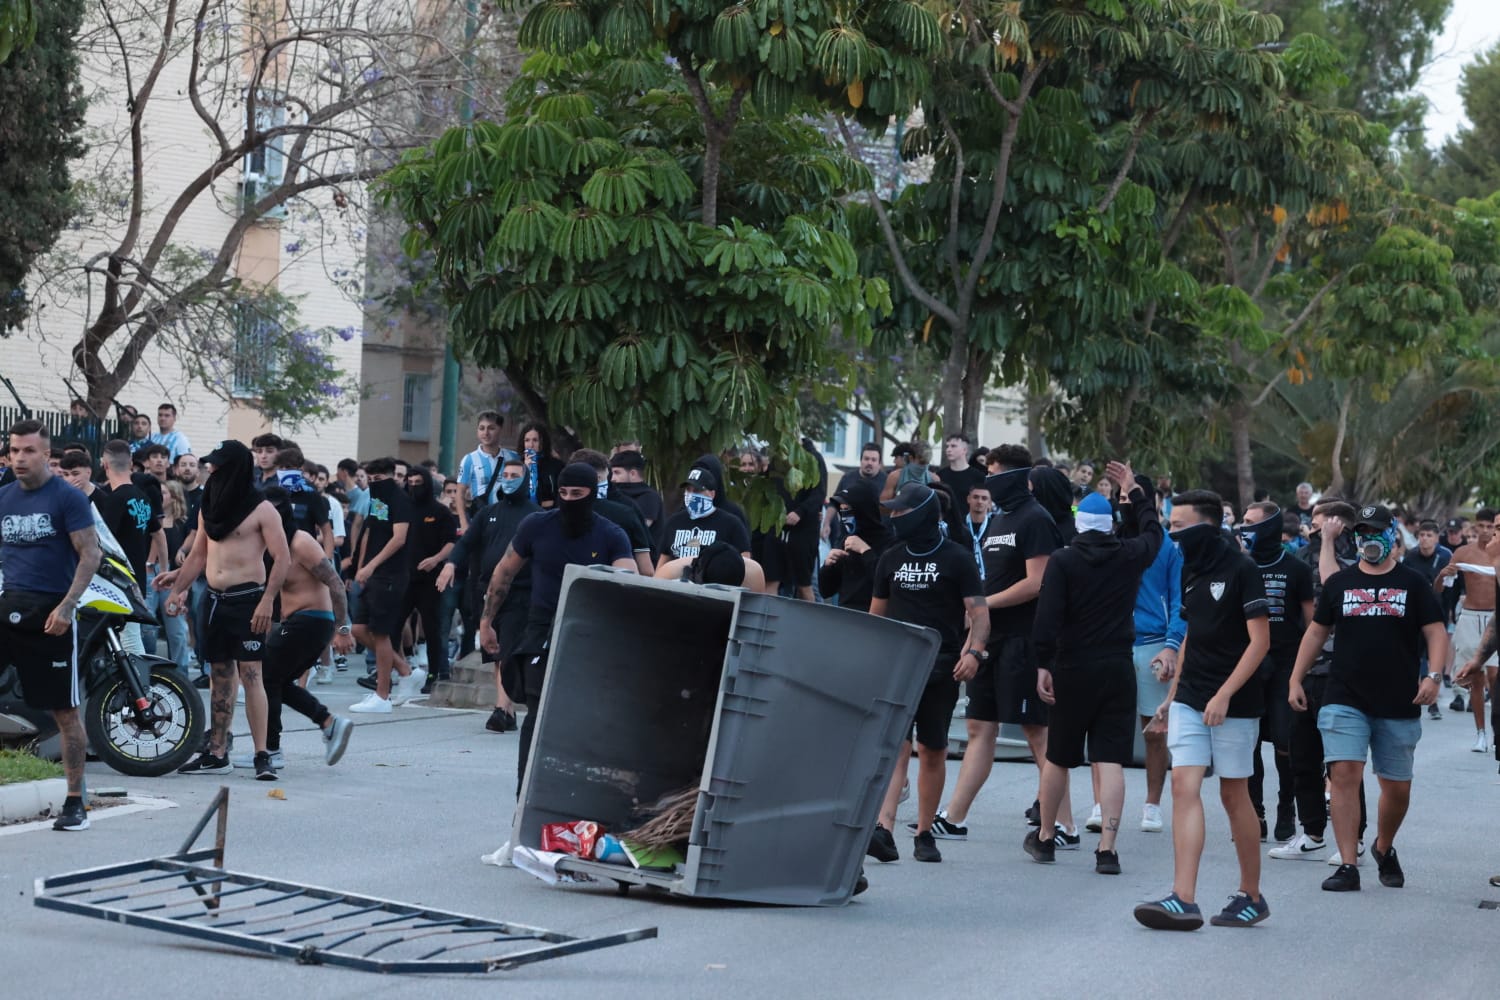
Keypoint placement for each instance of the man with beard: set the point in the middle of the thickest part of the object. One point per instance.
(1084, 631)
(1289, 607)
(870, 470)
(382, 571)
(849, 572)
(1213, 714)
(550, 541)
(1021, 537)
(238, 531)
(481, 548)
(924, 579)
(429, 542)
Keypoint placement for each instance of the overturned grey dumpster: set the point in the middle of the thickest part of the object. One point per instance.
(786, 716)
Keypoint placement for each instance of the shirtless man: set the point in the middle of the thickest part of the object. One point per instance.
(1474, 617)
(314, 609)
(240, 530)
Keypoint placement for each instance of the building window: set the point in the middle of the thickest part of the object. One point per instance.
(265, 165)
(837, 441)
(254, 350)
(416, 406)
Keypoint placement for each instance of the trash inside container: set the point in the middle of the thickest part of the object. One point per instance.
(787, 716)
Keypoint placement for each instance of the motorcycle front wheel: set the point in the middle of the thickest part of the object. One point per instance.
(174, 733)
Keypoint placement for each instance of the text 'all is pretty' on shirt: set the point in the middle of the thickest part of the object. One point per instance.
(930, 590)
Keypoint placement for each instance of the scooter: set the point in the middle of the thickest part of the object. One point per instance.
(141, 713)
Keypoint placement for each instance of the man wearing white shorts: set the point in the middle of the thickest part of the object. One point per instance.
(1478, 589)
(1213, 715)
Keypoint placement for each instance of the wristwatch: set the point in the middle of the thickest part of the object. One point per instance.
(979, 654)
(344, 629)
(1433, 675)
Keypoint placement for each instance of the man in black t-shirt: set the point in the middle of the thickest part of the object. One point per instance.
(622, 513)
(135, 522)
(924, 579)
(382, 570)
(1386, 615)
(627, 478)
(1213, 712)
(700, 522)
(1289, 595)
(957, 472)
(434, 529)
(1019, 539)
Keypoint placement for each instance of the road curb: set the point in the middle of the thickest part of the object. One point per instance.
(29, 799)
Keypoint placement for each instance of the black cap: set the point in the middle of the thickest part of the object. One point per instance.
(628, 460)
(701, 478)
(1373, 516)
(1454, 524)
(910, 496)
(223, 453)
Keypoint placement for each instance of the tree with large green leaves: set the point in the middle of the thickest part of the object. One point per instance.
(1468, 165)
(568, 242)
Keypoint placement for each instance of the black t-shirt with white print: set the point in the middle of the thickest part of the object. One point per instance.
(930, 590)
(682, 537)
(1217, 600)
(1010, 540)
(1289, 583)
(1378, 618)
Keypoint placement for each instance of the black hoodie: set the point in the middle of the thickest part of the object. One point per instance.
(433, 525)
(1086, 609)
(1055, 493)
(721, 499)
(852, 576)
(488, 536)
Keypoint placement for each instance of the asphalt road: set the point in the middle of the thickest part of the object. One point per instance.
(423, 793)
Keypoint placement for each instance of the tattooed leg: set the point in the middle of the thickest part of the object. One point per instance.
(220, 706)
(74, 747)
(255, 702)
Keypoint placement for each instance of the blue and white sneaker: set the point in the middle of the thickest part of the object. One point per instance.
(1242, 911)
(1170, 914)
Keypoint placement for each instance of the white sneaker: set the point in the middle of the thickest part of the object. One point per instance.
(325, 673)
(1481, 742)
(1151, 818)
(372, 704)
(1300, 847)
(500, 859)
(1338, 858)
(1096, 820)
(247, 759)
(409, 687)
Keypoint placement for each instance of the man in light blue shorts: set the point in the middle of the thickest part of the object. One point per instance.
(1386, 615)
(1213, 714)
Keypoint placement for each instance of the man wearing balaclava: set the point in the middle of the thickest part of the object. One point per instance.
(434, 528)
(1387, 616)
(1020, 538)
(1212, 713)
(1084, 633)
(924, 579)
(1289, 607)
(382, 558)
(550, 541)
(481, 548)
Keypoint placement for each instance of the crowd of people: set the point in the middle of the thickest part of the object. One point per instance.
(1085, 609)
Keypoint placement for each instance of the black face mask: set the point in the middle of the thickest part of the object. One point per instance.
(1197, 542)
(577, 515)
(1262, 539)
(919, 527)
(1009, 489)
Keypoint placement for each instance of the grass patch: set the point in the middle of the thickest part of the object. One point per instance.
(18, 765)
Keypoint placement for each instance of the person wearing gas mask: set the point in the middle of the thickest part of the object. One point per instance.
(549, 541)
(1020, 538)
(1212, 713)
(849, 571)
(1084, 634)
(924, 579)
(1289, 596)
(700, 522)
(1386, 614)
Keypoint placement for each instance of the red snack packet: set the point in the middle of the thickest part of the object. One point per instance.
(577, 838)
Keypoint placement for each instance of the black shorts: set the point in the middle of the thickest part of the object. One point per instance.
(935, 708)
(381, 607)
(510, 626)
(294, 645)
(227, 637)
(47, 665)
(530, 659)
(1095, 702)
(1004, 689)
(801, 557)
(771, 552)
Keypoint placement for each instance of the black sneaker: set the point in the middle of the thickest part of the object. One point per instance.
(1457, 704)
(207, 763)
(924, 848)
(1170, 914)
(1064, 840)
(367, 682)
(1345, 878)
(1265, 831)
(1107, 862)
(882, 845)
(74, 817)
(1433, 712)
(500, 721)
(1391, 875)
(263, 769)
(861, 883)
(340, 663)
(1043, 852)
(430, 683)
(1286, 825)
(1242, 911)
(1034, 814)
(942, 829)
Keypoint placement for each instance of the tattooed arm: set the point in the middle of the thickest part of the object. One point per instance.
(495, 595)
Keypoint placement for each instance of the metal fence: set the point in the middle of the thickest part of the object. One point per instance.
(92, 434)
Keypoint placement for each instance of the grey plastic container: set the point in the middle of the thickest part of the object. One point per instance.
(787, 717)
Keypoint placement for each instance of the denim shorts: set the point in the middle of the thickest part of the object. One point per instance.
(1349, 734)
(1229, 746)
(1149, 692)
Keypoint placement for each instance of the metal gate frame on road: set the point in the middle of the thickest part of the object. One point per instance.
(309, 924)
